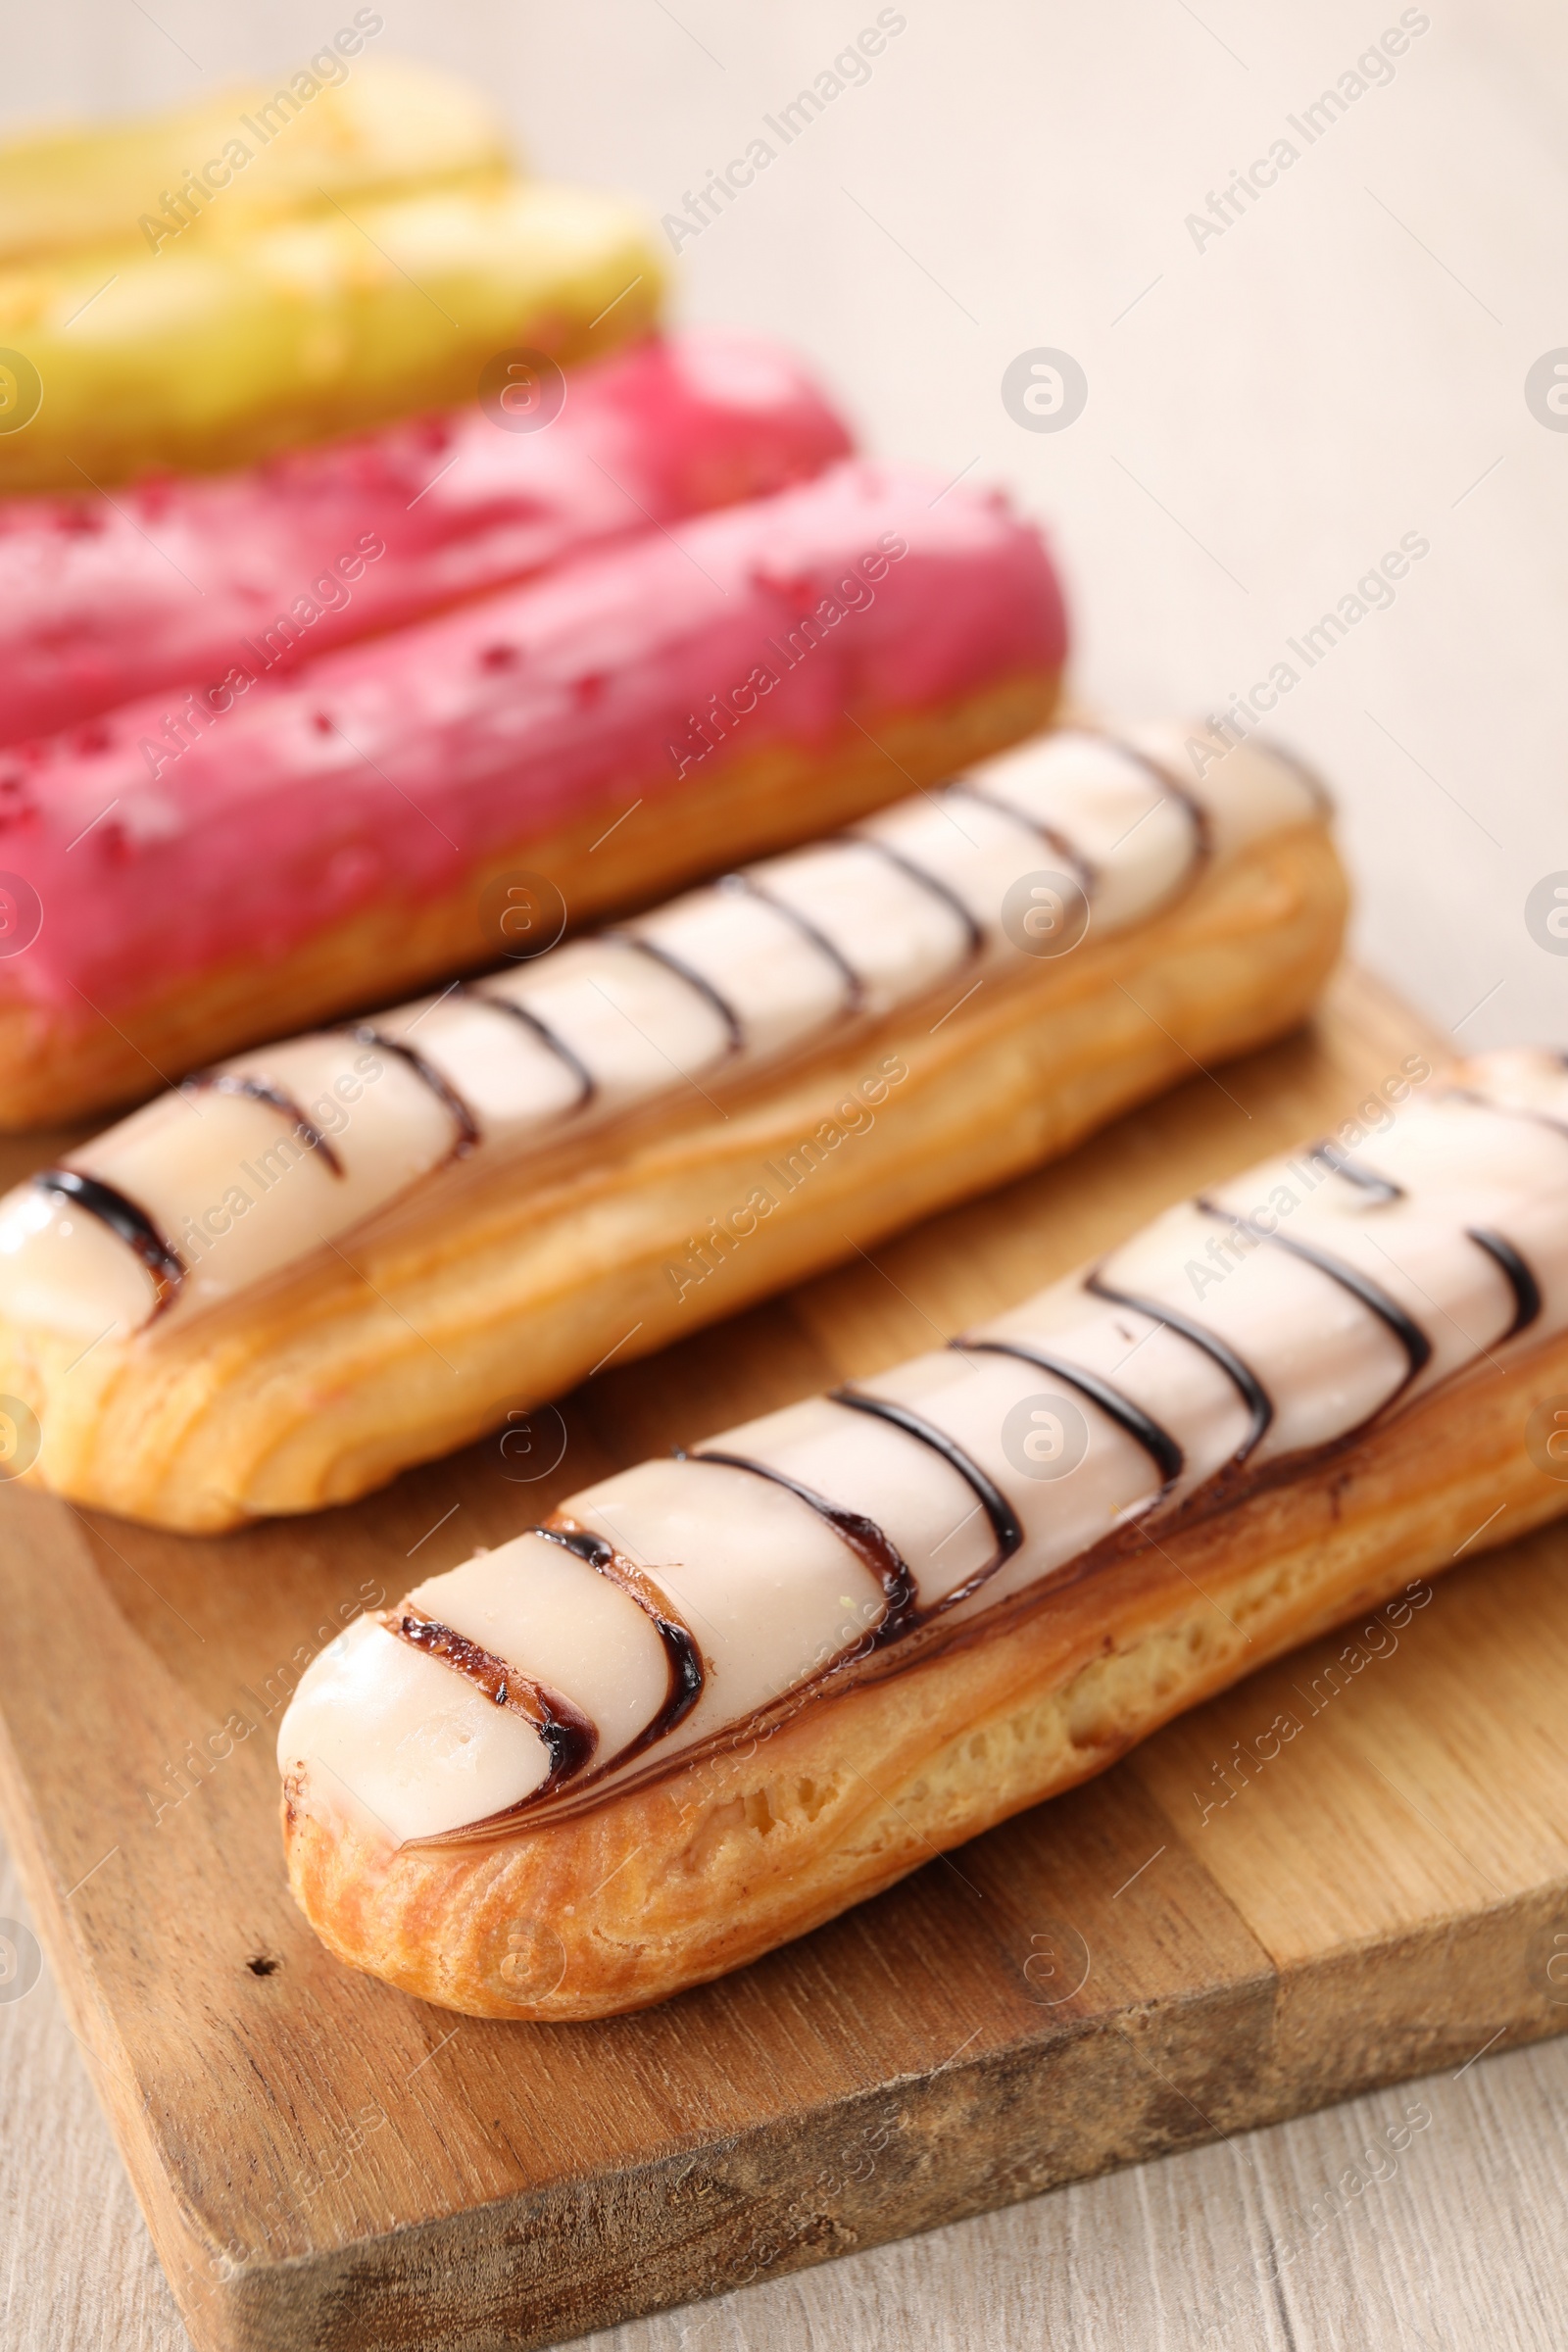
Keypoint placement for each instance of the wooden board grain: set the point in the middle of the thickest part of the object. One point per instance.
(1176, 1950)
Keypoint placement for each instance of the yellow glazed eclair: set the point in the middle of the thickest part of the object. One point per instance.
(326, 1259)
(341, 127)
(221, 348)
(285, 262)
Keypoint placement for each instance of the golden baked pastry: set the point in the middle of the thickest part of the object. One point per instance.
(280, 1285)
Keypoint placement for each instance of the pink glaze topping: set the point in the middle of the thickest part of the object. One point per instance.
(162, 585)
(387, 771)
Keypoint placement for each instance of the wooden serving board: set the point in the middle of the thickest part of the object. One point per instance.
(1228, 1928)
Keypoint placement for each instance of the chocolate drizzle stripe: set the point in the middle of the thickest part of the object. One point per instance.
(1041, 827)
(1197, 815)
(733, 1024)
(364, 1032)
(1257, 1399)
(1518, 1273)
(126, 1220)
(1372, 1295)
(688, 1674)
(870, 1544)
(261, 1090)
(568, 1737)
(930, 883)
(1354, 1171)
(853, 984)
(587, 1083)
(1156, 1440)
(1305, 775)
(592, 1548)
(1505, 1110)
(997, 1509)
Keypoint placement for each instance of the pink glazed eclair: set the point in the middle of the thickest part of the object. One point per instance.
(171, 582)
(176, 883)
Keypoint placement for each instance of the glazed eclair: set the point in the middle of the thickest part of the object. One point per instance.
(184, 582)
(372, 125)
(210, 350)
(321, 1261)
(716, 1699)
(188, 875)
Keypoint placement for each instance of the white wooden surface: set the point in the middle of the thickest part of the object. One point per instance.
(1266, 416)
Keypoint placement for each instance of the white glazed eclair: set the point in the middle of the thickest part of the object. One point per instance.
(492, 1184)
(718, 1697)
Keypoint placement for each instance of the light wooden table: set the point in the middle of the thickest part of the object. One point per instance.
(1268, 410)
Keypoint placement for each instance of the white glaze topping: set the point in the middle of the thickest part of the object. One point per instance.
(1282, 1313)
(211, 1189)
